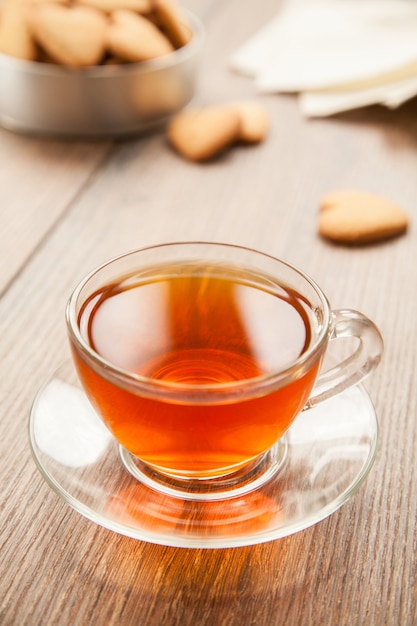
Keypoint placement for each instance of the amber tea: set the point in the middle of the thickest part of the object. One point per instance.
(205, 330)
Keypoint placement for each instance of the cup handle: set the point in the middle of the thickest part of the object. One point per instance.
(356, 367)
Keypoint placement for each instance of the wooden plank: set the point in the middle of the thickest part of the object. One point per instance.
(38, 180)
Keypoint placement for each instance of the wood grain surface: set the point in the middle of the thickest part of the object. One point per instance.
(67, 206)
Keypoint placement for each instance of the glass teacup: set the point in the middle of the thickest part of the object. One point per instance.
(199, 356)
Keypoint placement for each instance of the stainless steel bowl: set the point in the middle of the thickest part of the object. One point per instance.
(111, 100)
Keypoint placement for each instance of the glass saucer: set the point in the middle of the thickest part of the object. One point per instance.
(318, 465)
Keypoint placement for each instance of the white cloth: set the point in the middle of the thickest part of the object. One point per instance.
(337, 54)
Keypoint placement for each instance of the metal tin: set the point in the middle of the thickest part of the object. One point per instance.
(107, 100)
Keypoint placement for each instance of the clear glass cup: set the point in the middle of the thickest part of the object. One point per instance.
(199, 356)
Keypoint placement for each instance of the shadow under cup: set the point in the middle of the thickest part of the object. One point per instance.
(198, 356)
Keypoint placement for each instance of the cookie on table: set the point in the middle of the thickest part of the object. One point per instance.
(204, 133)
(254, 121)
(352, 216)
(201, 134)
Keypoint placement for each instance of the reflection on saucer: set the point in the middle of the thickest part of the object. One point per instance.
(139, 505)
(331, 420)
(67, 427)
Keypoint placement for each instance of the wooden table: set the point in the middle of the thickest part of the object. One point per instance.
(67, 206)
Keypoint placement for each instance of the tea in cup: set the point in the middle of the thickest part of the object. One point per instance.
(198, 357)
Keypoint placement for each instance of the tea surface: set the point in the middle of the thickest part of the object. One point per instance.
(196, 329)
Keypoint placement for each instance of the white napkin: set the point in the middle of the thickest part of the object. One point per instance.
(337, 54)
